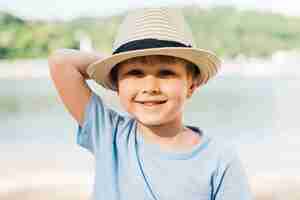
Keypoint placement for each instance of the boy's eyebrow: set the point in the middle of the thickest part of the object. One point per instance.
(159, 71)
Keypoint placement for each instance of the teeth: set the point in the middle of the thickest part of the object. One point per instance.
(153, 103)
(150, 103)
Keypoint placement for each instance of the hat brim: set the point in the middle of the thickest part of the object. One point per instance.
(207, 62)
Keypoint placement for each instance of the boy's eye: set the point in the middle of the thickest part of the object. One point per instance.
(166, 73)
(135, 72)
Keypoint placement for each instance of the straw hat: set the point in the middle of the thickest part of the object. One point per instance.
(154, 31)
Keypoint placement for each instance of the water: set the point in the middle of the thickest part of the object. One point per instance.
(244, 108)
(260, 115)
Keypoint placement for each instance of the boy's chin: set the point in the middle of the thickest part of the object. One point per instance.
(151, 122)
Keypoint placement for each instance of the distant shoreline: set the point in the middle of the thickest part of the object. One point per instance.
(31, 68)
(281, 64)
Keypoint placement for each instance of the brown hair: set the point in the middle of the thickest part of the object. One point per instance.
(154, 59)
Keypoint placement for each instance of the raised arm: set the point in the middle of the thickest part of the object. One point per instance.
(68, 72)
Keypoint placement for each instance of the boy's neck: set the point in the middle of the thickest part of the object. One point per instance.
(169, 136)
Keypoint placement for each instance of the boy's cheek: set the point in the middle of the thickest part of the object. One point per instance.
(175, 88)
(125, 91)
(128, 82)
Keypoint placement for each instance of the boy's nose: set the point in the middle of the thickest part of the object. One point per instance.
(150, 84)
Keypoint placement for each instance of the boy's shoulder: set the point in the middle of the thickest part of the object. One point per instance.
(222, 150)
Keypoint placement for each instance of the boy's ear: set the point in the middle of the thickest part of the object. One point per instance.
(194, 85)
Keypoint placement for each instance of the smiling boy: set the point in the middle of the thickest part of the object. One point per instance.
(154, 93)
(149, 153)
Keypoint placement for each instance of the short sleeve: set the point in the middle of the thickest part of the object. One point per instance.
(230, 180)
(98, 121)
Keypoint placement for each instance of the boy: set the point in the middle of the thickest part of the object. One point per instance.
(149, 153)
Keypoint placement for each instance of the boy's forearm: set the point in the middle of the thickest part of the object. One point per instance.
(80, 60)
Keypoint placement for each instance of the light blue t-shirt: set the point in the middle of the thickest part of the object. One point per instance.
(128, 168)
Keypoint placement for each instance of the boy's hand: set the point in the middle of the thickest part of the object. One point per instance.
(68, 72)
(78, 59)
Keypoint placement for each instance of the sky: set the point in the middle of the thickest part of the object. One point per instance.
(69, 9)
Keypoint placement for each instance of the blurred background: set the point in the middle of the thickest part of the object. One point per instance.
(252, 103)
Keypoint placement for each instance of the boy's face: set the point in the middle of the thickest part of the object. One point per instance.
(154, 93)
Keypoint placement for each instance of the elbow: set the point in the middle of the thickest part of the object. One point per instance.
(56, 58)
(55, 62)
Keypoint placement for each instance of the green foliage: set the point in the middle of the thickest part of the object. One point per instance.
(229, 32)
(224, 30)
(33, 39)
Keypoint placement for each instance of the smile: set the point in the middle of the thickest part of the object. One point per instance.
(151, 103)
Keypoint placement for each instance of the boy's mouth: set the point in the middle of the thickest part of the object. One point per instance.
(151, 103)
